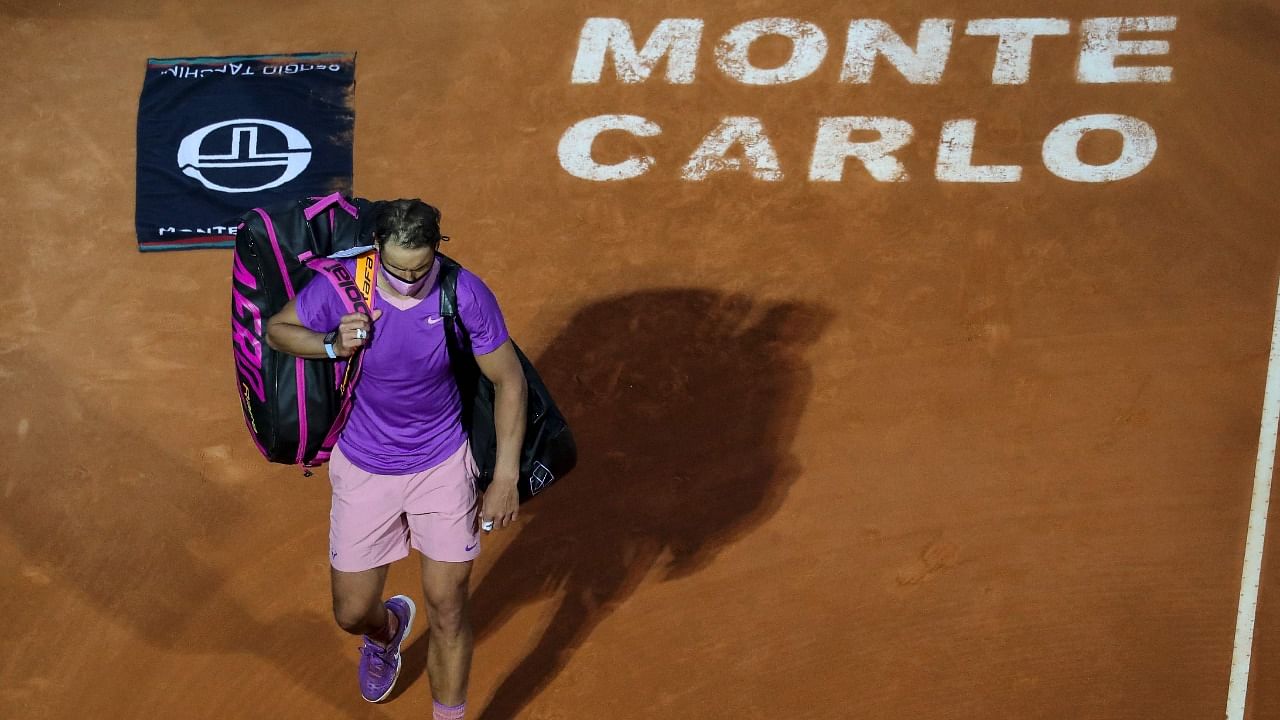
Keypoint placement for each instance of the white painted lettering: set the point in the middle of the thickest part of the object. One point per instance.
(1013, 54)
(922, 66)
(1061, 148)
(955, 157)
(833, 147)
(674, 38)
(758, 154)
(808, 49)
(576, 143)
(1100, 45)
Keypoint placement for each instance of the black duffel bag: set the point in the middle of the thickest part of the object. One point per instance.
(549, 451)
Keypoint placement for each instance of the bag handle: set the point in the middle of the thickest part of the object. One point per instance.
(324, 203)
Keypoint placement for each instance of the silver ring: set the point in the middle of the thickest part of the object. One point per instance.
(487, 525)
(361, 334)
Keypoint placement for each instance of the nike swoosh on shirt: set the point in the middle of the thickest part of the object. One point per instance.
(472, 546)
(434, 320)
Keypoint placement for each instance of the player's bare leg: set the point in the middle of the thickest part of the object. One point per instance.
(447, 586)
(357, 602)
(359, 609)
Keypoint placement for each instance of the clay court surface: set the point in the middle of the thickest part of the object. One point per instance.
(849, 450)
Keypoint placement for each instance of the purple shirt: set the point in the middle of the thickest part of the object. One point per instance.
(407, 412)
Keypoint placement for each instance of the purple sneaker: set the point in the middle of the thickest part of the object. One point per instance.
(379, 666)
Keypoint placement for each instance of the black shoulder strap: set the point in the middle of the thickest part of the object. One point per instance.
(455, 332)
(466, 371)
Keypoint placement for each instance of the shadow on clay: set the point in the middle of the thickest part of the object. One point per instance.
(684, 404)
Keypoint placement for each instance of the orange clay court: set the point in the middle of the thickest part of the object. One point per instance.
(873, 449)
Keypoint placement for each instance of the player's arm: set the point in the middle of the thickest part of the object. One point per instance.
(510, 408)
(286, 333)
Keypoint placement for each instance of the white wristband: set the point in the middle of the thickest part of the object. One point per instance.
(328, 350)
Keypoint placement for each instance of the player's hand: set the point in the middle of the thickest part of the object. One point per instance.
(501, 502)
(354, 330)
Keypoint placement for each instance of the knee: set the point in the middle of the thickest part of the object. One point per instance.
(351, 618)
(448, 615)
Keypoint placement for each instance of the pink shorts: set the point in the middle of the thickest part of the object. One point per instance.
(375, 519)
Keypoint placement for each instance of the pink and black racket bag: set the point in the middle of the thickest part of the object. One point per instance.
(294, 407)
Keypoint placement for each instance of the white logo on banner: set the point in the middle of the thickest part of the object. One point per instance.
(239, 149)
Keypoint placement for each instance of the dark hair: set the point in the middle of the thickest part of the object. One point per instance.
(409, 224)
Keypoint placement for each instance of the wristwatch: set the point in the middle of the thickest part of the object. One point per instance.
(328, 344)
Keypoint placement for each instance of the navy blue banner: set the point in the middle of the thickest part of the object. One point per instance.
(220, 136)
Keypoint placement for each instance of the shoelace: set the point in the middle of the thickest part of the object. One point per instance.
(379, 663)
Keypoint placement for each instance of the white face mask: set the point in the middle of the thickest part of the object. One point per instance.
(408, 289)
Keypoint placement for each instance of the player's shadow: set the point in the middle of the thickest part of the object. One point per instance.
(684, 404)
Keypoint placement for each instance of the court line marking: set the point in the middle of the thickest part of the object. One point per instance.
(1247, 611)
